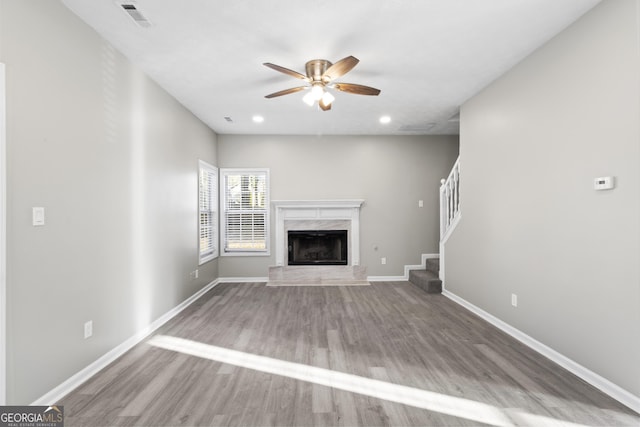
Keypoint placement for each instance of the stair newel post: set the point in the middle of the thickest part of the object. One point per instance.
(456, 186)
(443, 207)
(454, 196)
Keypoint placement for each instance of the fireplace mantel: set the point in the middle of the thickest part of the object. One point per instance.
(314, 211)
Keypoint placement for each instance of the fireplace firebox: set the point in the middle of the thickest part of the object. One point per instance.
(317, 247)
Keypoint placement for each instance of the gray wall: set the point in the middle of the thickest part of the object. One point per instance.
(390, 172)
(531, 145)
(113, 159)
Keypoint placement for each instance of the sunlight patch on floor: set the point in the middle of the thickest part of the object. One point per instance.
(438, 402)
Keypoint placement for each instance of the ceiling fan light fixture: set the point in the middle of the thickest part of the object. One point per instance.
(309, 99)
(317, 90)
(327, 98)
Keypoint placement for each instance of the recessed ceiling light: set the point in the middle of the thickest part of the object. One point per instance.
(258, 119)
(385, 120)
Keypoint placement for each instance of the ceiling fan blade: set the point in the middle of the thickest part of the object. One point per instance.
(340, 68)
(286, 91)
(357, 89)
(323, 106)
(286, 71)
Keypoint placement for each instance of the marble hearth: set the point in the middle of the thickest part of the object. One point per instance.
(317, 215)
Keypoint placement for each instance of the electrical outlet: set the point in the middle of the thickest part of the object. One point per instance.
(383, 260)
(88, 329)
(195, 274)
(421, 203)
(514, 300)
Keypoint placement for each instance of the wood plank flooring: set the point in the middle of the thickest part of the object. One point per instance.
(451, 367)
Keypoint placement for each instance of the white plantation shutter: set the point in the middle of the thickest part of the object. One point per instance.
(246, 210)
(207, 212)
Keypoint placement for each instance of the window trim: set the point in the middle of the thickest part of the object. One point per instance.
(224, 172)
(214, 252)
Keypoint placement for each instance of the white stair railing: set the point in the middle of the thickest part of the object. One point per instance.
(450, 201)
(449, 211)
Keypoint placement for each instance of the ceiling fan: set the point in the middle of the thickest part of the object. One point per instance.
(320, 76)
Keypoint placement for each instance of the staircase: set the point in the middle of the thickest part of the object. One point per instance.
(427, 279)
(430, 279)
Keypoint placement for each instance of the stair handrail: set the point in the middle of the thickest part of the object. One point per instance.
(450, 201)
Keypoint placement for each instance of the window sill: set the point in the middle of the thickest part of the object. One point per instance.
(207, 258)
(245, 254)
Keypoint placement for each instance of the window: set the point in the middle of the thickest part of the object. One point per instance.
(207, 212)
(245, 205)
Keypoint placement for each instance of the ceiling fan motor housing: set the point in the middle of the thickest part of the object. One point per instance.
(316, 68)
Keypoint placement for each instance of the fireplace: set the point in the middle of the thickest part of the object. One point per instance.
(317, 247)
(326, 217)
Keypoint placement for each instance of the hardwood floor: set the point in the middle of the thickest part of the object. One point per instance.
(252, 355)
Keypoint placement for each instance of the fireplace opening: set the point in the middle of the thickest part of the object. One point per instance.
(317, 247)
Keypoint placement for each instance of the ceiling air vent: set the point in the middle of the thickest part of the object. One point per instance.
(135, 14)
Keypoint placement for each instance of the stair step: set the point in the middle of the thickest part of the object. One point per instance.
(433, 264)
(426, 280)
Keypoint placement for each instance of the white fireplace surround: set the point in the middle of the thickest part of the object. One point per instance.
(317, 214)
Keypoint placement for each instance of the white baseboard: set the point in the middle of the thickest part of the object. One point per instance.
(604, 385)
(407, 269)
(242, 279)
(386, 278)
(76, 380)
(424, 258)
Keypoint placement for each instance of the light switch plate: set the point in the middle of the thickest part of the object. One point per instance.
(88, 329)
(38, 216)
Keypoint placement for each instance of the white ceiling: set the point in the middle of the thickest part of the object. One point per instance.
(427, 56)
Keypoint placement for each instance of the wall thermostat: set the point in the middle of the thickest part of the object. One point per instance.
(604, 183)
